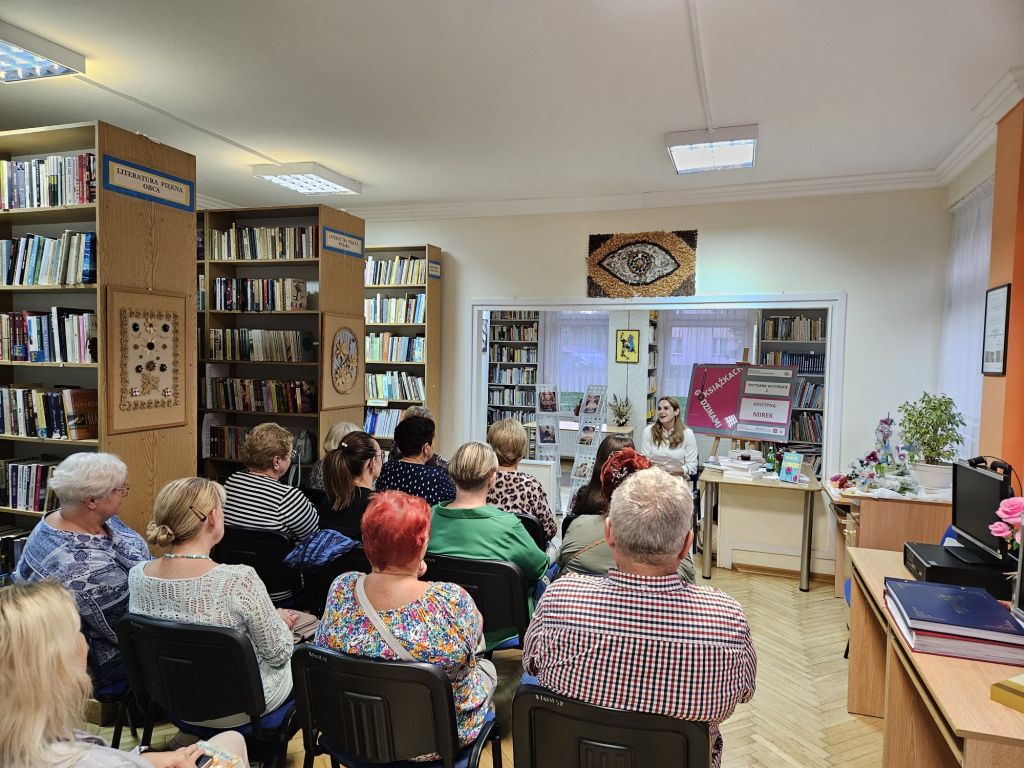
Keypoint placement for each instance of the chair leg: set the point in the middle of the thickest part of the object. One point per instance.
(496, 761)
(147, 732)
(122, 707)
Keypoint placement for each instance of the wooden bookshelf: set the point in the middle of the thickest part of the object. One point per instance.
(142, 243)
(652, 367)
(799, 337)
(332, 276)
(426, 281)
(513, 365)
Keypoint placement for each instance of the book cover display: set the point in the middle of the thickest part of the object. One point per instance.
(789, 470)
(752, 402)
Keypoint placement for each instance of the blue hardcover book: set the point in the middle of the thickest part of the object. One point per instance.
(953, 610)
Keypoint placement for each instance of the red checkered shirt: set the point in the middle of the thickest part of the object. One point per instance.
(644, 644)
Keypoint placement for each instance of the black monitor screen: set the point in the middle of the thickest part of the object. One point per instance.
(977, 493)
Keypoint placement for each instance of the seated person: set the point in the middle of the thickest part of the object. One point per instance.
(589, 500)
(256, 497)
(433, 622)
(315, 479)
(412, 473)
(436, 459)
(45, 685)
(186, 585)
(668, 442)
(350, 471)
(588, 632)
(516, 491)
(585, 548)
(470, 527)
(86, 548)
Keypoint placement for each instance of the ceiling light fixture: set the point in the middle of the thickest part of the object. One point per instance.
(25, 56)
(307, 179)
(695, 151)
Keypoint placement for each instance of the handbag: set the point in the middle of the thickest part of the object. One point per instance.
(304, 450)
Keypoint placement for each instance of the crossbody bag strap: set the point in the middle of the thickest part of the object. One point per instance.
(586, 549)
(385, 633)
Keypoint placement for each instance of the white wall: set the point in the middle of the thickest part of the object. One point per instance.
(887, 251)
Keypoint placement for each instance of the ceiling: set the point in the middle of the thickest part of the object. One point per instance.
(463, 107)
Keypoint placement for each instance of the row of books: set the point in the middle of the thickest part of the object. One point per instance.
(381, 422)
(12, 544)
(952, 620)
(497, 414)
(258, 395)
(806, 362)
(61, 335)
(28, 483)
(400, 270)
(45, 182)
(513, 376)
(225, 442)
(69, 413)
(515, 314)
(514, 355)
(806, 427)
(257, 344)
(257, 294)
(514, 333)
(652, 384)
(401, 309)
(385, 348)
(787, 328)
(809, 395)
(263, 243)
(394, 385)
(520, 397)
(39, 260)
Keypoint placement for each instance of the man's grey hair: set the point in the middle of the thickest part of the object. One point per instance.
(87, 475)
(650, 515)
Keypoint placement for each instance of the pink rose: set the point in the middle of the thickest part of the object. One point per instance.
(1000, 529)
(1010, 510)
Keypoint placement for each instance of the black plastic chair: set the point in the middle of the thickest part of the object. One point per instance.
(316, 582)
(118, 693)
(265, 551)
(499, 590)
(534, 528)
(363, 712)
(198, 672)
(552, 731)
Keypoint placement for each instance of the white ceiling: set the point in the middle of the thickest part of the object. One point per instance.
(449, 107)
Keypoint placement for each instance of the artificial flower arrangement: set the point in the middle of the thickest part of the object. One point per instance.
(1008, 525)
(884, 467)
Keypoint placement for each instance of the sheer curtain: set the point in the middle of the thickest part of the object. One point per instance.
(966, 282)
(691, 336)
(575, 350)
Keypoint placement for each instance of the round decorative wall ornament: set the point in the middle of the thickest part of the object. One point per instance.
(344, 360)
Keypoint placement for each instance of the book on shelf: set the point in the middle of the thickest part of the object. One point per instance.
(258, 395)
(789, 328)
(263, 243)
(225, 441)
(39, 260)
(245, 294)
(12, 544)
(394, 385)
(806, 362)
(514, 355)
(381, 422)
(1009, 692)
(396, 309)
(27, 483)
(518, 333)
(386, 348)
(399, 270)
(60, 335)
(81, 411)
(258, 345)
(47, 182)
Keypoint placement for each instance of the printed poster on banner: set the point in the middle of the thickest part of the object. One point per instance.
(546, 419)
(742, 401)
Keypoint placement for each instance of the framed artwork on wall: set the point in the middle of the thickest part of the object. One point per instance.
(145, 376)
(997, 323)
(342, 385)
(627, 346)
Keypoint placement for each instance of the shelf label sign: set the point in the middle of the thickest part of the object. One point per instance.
(741, 401)
(134, 180)
(342, 242)
(434, 269)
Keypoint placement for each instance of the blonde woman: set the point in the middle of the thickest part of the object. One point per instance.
(669, 443)
(337, 432)
(45, 686)
(516, 491)
(186, 585)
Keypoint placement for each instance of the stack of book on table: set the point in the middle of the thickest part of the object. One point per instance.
(740, 469)
(951, 620)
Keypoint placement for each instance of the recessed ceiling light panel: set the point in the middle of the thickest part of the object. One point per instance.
(310, 179)
(25, 56)
(722, 148)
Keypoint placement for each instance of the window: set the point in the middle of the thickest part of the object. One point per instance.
(575, 350)
(691, 336)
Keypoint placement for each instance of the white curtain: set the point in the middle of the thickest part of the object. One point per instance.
(691, 336)
(966, 281)
(575, 350)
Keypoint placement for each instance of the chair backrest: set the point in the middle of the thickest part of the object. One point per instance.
(375, 710)
(547, 473)
(534, 528)
(193, 672)
(262, 549)
(499, 589)
(552, 731)
(317, 582)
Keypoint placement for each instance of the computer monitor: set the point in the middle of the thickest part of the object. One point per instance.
(977, 492)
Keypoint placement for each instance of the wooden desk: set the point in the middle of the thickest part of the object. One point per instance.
(937, 709)
(713, 480)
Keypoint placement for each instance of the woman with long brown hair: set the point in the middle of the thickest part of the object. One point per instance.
(668, 442)
(350, 471)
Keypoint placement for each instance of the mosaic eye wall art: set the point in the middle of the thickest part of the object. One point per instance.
(145, 386)
(642, 264)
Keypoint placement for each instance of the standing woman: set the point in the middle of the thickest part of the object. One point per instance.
(350, 472)
(669, 443)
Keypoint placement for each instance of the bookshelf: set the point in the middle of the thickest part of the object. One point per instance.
(273, 283)
(652, 366)
(800, 338)
(402, 312)
(143, 233)
(513, 365)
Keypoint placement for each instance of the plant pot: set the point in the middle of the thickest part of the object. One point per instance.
(932, 477)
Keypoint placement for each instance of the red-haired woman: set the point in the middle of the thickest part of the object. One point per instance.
(391, 614)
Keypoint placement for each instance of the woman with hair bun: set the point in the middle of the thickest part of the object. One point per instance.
(186, 585)
(350, 471)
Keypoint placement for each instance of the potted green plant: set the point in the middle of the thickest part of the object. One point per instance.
(931, 433)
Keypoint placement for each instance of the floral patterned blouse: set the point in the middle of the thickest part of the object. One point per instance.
(442, 628)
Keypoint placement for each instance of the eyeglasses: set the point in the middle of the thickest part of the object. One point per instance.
(123, 489)
(197, 513)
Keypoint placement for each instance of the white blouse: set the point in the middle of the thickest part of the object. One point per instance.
(681, 460)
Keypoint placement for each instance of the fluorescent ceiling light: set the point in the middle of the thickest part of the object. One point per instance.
(308, 179)
(695, 151)
(24, 56)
